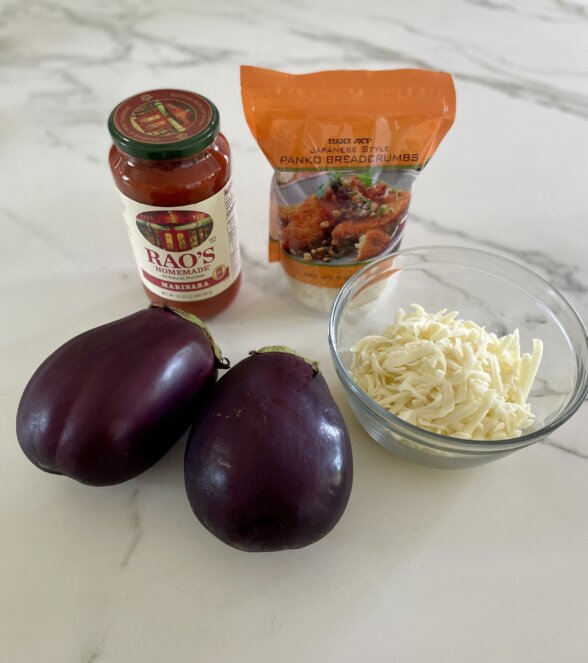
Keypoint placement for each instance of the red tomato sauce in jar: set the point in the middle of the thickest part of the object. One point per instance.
(173, 168)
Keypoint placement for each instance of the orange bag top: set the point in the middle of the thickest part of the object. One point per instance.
(346, 147)
(348, 119)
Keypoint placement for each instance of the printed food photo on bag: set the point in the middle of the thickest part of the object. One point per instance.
(346, 147)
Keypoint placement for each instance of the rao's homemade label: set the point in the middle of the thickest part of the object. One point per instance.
(188, 253)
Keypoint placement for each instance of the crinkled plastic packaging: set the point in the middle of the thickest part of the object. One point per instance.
(346, 147)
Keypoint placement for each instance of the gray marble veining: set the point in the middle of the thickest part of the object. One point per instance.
(136, 530)
(561, 274)
(125, 574)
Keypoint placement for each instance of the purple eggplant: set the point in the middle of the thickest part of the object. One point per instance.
(268, 464)
(109, 403)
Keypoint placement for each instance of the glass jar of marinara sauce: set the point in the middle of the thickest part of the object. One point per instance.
(173, 168)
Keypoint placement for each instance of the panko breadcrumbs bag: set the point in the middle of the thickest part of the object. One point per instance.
(346, 147)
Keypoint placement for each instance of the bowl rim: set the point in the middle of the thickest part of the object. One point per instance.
(432, 438)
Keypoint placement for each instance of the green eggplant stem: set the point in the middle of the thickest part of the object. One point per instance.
(222, 362)
(286, 349)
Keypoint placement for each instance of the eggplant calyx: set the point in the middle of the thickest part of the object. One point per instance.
(284, 348)
(221, 362)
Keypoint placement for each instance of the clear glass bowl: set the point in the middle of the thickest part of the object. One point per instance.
(493, 292)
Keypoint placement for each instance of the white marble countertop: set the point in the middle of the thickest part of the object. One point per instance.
(477, 566)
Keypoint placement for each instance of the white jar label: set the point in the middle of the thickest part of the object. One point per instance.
(187, 253)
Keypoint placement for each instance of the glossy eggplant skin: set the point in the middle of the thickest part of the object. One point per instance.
(268, 465)
(109, 403)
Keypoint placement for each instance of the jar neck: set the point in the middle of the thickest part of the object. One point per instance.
(167, 163)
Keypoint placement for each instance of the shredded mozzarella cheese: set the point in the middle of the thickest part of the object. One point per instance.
(448, 375)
